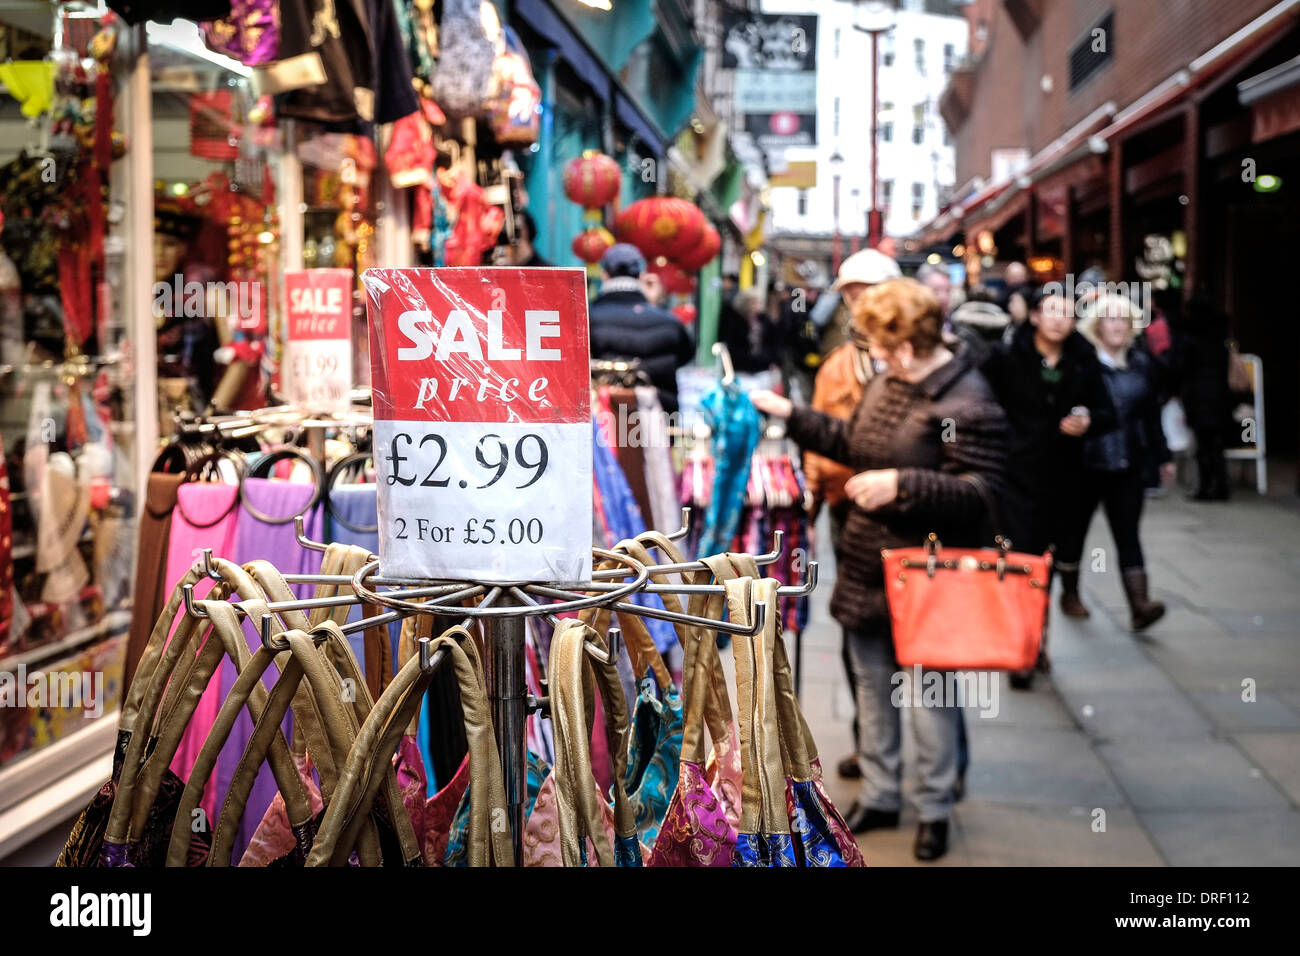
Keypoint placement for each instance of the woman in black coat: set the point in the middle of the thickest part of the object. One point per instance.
(924, 438)
(1117, 460)
(1049, 382)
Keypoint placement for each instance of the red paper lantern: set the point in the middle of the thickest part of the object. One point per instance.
(592, 180)
(675, 280)
(686, 313)
(661, 226)
(590, 244)
(710, 245)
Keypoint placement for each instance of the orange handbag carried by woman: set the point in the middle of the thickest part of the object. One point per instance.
(956, 609)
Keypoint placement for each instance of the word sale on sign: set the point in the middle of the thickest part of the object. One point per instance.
(483, 433)
(317, 369)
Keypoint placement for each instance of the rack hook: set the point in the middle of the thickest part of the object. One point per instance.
(267, 640)
(192, 608)
(300, 532)
(209, 568)
(778, 548)
(685, 529)
(809, 583)
(614, 640)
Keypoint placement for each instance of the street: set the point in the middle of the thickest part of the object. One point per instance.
(1134, 751)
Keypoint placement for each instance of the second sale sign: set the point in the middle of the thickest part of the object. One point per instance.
(317, 373)
(483, 437)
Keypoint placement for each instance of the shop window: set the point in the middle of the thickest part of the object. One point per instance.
(68, 394)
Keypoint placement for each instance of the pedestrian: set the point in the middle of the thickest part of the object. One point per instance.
(1201, 365)
(938, 281)
(624, 326)
(1116, 460)
(1048, 380)
(979, 325)
(524, 252)
(746, 333)
(908, 482)
(837, 390)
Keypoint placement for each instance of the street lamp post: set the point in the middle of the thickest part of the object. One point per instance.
(836, 161)
(880, 19)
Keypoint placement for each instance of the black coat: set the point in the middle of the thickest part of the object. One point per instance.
(933, 431)
(1138, 440)
(624, 325)
(1045, 467)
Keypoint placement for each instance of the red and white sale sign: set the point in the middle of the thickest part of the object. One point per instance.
(482, 395)
(317, 370)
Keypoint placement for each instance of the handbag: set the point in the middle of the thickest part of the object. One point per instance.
(465, 57)
(697, 830)
(584, 826)
(369, 761)
(788, 818)
(967, 608)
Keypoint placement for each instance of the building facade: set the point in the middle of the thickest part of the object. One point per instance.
(915, 157)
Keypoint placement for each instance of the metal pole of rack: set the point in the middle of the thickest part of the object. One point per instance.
(508, 696)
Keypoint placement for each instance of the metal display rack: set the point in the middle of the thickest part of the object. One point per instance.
(501, 611)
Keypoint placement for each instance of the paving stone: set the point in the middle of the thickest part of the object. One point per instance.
(1032, 767)
(1191, 775)
(1230, 712)
(1164, 713)
(1053, 836)
(1276, 753)
(1226, 838)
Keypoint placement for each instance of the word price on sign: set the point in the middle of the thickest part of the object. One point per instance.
(481, 384)
(317, 370)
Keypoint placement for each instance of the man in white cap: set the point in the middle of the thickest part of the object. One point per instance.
(836, 391)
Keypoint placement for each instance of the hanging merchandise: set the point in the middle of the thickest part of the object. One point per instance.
(214, 134)
(736, 428)
(514, 98)
(340, 61)
(250, 34)
(420, 34)
(477, 222)
(466, 53)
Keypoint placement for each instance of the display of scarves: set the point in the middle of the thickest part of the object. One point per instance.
(205, 517)
(354, 508)
(737, 429)
(623, 519)
(255, 539)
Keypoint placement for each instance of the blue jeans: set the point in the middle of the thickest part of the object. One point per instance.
(934, 732)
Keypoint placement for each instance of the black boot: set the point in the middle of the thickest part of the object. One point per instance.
(1071, 606)
(1143, 611)
(931, 840)
(862, 819)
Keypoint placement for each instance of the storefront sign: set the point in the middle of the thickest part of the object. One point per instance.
(483, 431)
(774, 56)
(317, 370)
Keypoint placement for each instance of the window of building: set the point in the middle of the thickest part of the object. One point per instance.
(887, 49)
(801, 203)
(947, 136)
(949, 56)
(835, 117)
(1093, 51)
(887, 131)
(836, 54)
(886, 193)
(918, 123)
(918, 198)
(918, 48)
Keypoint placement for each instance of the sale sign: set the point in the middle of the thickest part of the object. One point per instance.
(481, 383)
(317, 373)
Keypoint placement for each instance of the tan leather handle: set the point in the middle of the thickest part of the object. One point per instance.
(763, 801)
(489, 835)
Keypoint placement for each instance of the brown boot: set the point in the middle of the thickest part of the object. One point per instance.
(1144, 611)
(1071, 606)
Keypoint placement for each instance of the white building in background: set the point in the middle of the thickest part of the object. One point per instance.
(916, 162)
